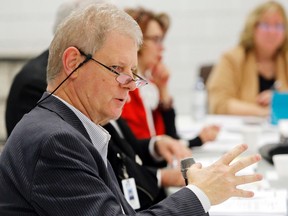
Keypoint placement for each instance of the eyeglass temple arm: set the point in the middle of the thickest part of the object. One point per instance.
(88, 56)
(138, 76)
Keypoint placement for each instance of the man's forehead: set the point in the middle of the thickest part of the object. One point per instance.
(120, 48)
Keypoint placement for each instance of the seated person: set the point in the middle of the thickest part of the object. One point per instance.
(130, 158)
(55, 160)
(28, 87)
(245, 77)
(155, 113)
(30, 83)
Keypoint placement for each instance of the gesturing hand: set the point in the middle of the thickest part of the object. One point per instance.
(219, 180)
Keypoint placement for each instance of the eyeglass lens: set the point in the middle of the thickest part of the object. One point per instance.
(125, 79)
(268, 27)
(155, 39)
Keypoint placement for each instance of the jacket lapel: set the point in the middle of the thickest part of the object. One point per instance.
(54, 105)
(58, 107)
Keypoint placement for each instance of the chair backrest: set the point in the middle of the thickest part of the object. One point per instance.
(204, 71)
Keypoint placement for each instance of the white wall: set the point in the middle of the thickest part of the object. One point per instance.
(201, 30)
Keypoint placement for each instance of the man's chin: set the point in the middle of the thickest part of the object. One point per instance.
(114, 116)
(117, 115)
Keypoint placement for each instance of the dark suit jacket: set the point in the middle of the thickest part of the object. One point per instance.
(26, 89)
(139, 146)
(122, 157)
(50, 167)
(169, 116)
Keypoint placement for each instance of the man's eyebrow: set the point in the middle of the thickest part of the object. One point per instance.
(123, 64)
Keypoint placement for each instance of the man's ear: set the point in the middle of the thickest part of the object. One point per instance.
(71, 59)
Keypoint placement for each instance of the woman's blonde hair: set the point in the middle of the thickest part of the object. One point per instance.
(247, 35)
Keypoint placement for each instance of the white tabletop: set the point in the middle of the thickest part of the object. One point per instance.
(231, 134)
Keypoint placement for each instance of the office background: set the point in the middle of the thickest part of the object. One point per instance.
(200, 32)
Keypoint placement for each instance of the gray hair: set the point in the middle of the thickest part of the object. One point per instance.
(87, 30)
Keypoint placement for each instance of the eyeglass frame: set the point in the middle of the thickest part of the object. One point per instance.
(268, 27)
(156, 39)
(139, 81)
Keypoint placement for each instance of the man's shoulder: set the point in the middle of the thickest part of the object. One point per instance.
(40, 121)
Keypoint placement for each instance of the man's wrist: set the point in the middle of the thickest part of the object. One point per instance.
(201, 196)
(165, 105)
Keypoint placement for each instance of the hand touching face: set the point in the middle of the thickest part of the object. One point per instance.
(160, 75)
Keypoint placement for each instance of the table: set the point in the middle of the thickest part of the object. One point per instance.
(231, 134)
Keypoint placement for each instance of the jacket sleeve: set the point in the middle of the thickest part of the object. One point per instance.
(169, 116)
(140, 146)
(69, 179)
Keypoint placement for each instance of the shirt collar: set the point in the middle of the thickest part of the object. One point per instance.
(98, 135)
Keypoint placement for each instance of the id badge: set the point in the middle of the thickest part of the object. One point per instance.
(130, 192)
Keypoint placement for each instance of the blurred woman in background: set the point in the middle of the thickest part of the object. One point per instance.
(150, 112)
(245, 77)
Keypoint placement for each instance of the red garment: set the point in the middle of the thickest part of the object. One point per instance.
(135, 115)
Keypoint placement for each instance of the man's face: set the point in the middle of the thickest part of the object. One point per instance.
(101, 96)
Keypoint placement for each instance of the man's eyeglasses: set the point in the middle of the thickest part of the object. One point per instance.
(121, 77)
(268, 27)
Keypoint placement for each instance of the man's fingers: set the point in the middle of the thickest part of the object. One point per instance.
(240, 180)
(244, 162)
(232, 154)
(180, 151)
(168, 157)
(243, 193)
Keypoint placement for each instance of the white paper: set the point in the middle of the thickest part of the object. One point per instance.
(264, 202)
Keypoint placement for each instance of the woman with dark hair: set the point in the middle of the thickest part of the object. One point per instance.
(155, 114)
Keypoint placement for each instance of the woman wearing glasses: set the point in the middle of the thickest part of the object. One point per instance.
(243, 80)
(153, 104)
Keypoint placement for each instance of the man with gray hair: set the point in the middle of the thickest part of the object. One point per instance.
(54, 162)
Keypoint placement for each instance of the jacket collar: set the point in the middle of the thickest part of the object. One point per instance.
(55, 105)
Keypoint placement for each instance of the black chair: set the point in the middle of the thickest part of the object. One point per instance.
(205, 71)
